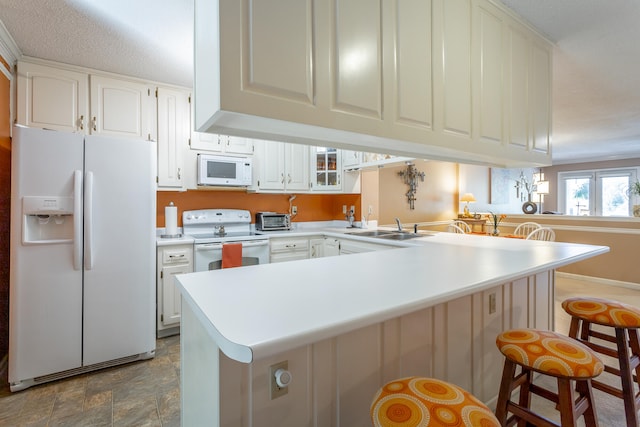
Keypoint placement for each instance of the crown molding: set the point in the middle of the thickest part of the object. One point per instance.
(9, 50)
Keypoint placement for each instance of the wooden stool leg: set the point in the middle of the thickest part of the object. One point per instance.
(626, 375)
(575, 326)
(504, 395)
(525, 395)
(566, 402)
(585, 389)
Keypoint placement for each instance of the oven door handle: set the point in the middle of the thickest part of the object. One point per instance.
(208, 247)
(255, 243)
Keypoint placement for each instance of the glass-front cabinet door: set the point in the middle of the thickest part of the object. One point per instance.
(326, 169)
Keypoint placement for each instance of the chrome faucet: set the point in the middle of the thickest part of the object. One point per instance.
(350, 217)
(399, 224)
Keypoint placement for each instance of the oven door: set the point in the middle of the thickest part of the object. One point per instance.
(208, 256)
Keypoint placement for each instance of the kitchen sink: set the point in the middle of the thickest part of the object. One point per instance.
(386, 234)
(399, 236)
(373, 233)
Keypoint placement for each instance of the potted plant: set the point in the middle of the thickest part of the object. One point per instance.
(634, 190)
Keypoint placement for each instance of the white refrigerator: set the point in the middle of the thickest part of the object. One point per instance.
(82, 269)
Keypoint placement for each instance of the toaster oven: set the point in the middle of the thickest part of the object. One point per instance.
(268, 221)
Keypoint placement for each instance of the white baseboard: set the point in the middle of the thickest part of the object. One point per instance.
(599, 280)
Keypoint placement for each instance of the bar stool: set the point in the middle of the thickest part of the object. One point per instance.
(550, 354)
(625, 320)
(419, 401)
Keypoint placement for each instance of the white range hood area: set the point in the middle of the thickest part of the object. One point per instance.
(453, 80)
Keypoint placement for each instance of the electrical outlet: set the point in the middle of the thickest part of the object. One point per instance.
(344, 209)
(492, 303)
(294, 210)
(370, 209)
(353, 209)
(276, 391)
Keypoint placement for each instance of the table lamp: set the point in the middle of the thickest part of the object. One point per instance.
(467, 197)
(542, 189)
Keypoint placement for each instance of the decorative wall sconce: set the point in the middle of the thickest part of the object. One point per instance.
(410, 177)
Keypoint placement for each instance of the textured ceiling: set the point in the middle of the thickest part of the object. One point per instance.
(596, 76)
(150, 39)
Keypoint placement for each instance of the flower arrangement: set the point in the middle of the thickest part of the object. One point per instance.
(495, 220)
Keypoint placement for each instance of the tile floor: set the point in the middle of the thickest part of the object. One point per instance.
(147, 393)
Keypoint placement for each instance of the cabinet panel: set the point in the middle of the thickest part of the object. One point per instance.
(279, 49)
(271, 158)
(171, 294)
(413, 78)
(490, 88)
(121, 108)
(455, 16)
(296, 162)
(173, 135)
(517, 95)
(357, 57)
(52, 98)
(540, 94)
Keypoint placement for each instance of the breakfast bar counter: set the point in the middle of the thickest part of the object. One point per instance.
(346, 324)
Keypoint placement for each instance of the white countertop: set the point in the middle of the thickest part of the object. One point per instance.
(258, 311)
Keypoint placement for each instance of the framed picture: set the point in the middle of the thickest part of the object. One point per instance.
(499, 183)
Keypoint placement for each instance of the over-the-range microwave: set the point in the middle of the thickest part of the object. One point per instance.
(224, 170)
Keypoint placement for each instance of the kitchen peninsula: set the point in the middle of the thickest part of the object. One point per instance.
(345, 325)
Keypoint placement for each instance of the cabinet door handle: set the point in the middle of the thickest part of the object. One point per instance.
(289, 178)
(81, 122)
(282, 178)
(179, 173)
(94, 123)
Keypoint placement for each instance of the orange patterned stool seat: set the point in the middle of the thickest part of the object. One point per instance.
(550, 354)
(625, 321)
(424, 402)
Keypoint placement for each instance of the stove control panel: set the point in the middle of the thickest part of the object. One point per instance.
(216, 216)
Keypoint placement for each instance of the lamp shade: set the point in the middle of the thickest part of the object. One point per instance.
(542, 187)
(467, 197)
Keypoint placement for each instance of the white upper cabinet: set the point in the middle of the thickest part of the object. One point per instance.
(173, 136)
(280, 166)
(64, 99)
(52, 98)
(222, 144)
(443, 79)
(326, 169)
(122, 108)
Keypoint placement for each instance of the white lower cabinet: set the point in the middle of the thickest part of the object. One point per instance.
(171, 260)
(288, 249)
(353, 247)
(331, 247)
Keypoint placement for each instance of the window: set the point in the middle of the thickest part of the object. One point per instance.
(603, 192)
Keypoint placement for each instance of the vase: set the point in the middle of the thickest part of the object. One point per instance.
(495, 231)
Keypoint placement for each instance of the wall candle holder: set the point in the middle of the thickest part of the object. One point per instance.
(410, 177)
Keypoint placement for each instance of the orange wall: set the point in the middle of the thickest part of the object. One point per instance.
(311, 207)
(5, 206)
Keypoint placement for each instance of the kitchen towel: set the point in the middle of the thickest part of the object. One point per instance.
(171, 220)
(231, 255)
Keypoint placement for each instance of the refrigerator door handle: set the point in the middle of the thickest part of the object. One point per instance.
(88, 218)
(77, 220)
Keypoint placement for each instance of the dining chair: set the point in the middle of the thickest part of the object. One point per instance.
(461, 225)
(542, 233)
(526, 228)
